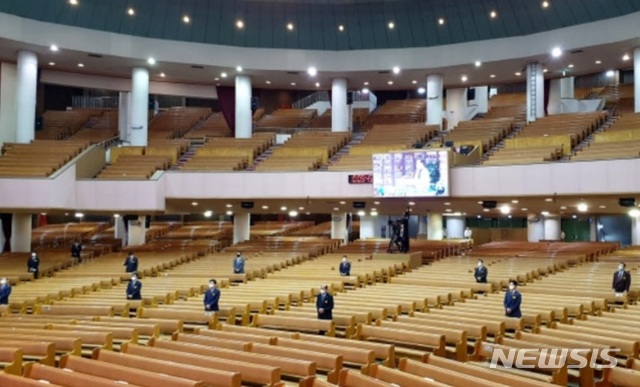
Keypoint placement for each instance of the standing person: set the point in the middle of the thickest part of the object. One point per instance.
(621, 279)
(467, 233)
(345, 267)
(131, 262)
(481, 272)
(33, 265)
(5, 291)
(324, 304)
(238, 264)
(76, 251)
(211, 297)
(133, 288)
(512, 301)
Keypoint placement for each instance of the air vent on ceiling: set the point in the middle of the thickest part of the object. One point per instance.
(293, 72)
(197, 67)
(384, 72)
(577, 51)
(95, 55)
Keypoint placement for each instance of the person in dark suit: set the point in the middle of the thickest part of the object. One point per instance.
(33, 264)
(133, 288)
(345, 266)
(324, 304)
(512, 301)
(76, 250)
(621, 279)
(5, 291)
(131, 263)
(481, 272)
(238, 264)
(211, 297)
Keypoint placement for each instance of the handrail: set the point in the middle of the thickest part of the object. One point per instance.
(309, 100)
(80, 101)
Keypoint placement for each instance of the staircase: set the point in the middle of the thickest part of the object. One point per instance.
(198, 124)
(186, 156)
(517, 128)
(356, 138)
(263, 156)
(611, 119)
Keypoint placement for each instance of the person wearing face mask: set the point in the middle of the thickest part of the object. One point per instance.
(5, 291)
(512, 301)
(481, 272)
(621, 279)
(324, 304)
(345, 267)
(131, 263)
(133, 288)
(238, 264)
(211, 297)
(33, 265)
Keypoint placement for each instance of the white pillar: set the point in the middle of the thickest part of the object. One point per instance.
(243, 107)
(339, 226)
(1, 236)
(119, 231)
(139, 106)
(27, 85)
(567, 88)
(456, 107)
(21, 233)
(593, 229)
(368, 226)
(552, 228)
(535, 228)
(482, 99)
(555, 97)
(535, 91)
(636, 78)
(124, 115)
(435, 90)
(241, 227)
(136, 233)
(434, 227)
(423, 226)
(339, 109)
(455, 227)
(8, 104)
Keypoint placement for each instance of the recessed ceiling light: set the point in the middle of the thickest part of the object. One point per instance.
(390, 82)
(293, 83)
(376, 203)
(626, 57)
(283, 208)
(194, 203)
(563, 207)
(441, 21)
(186, 19)
(312, 71)
(545, 4)
(493, 14)
(293, 213)
(131, 11)
(583, 207)
(391, 25)
(447, 204)
(317, 84)
(80, 64)
(505, 209)
(265, 207)
(570, 65)
(267, 82)
(366, 83)
(54, 48)
(229, 213)
(518, 73)
(216, 79)
(478, 63)
(414, 82)
(545, 70)
(290, 26)
(229, 205)
(548, 200)
(524, 209)
(556, 52)
(485, 210)
(544, 213)
(515, 201)
(208, 213)
(239, 69)
(421, 90)
(365, 91)
(343, 202)
(396, 70)
(336, 209)
(73, 2)
(151, 61)
(239, 24)
(598, 62)
(448, 210)
(634, 212)
(412, 203)
(223, 75)
(301, 208)
(52, 63)
(162, 75)
(610, 73)
(574, 216)
(492, 76)
(464, 78)
(340, 27)
(602, 207)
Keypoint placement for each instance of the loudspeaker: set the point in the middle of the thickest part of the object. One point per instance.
(349, 98)
(627, 202)
(359, 204)
(489, 204)
(246, 204)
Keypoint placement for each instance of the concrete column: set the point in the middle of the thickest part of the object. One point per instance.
(339, 108)
(423, 226)
(482, 99)
(636, 78)
(555, 97)
(339, 226)
(139, 106)
(434, 227)
(243, 107)
(136, 234)
(593, 229)
(241, 227)
(435, 108)
(26, 90)
(567, 88)
(8, 86)
(456, 107)
(455, 227)
(124, 115)
(535, 228)
(535, 92)
(119, 231)
(21, 233)
(368, 226)
(635, 230)
(552, 227)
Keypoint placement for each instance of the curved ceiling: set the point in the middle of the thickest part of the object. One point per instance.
(330, 25)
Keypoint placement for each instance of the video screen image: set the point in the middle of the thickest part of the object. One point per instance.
(411, 174)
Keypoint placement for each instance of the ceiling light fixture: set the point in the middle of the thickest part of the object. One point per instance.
(366, 83)
(194, 203)
(131, 11)
(556, 52)
(598, 61)
(267, 82)
(396, 70)
(505, 209)
(518, 73)
(312, 71)
(478, 63)
(290, 26)
(570, 65)
(545, 4)
(239, 69)
(186, 19)
(391, 25)
(208, 213)
(421, 90)
(73, 2)
(317, 84)
(583, 207)
(80, 64)
(265, 207)
(361, 213)
(52, 63)
(441, 21)
(626, 57)
(229, 213)
(340, 28)
(464, 78)
(365, 91)
(293, 213)
(293, 83)
(414, 82)
(545, 71)
(283, 208)
(610, 73)
(492, 76)
(634, 213)
(493, 14)
(240, 24)
(544, 213)
(390, 82)
(162, 75)
(54, 48)
(223, 75)
(151, 61)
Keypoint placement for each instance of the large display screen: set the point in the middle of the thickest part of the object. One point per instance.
(420, 173)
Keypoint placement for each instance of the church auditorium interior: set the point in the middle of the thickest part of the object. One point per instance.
(319, 193)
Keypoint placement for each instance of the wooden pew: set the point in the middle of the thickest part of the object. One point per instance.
(400, 378)
(8, 380)
(236, 345)
(11, 360)
(407, 342)
(619, 377)
(293, 323)
(42, 352)
(66, 378)
(351, 378)
(384, 353)
(192, 319)
(71, 345)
